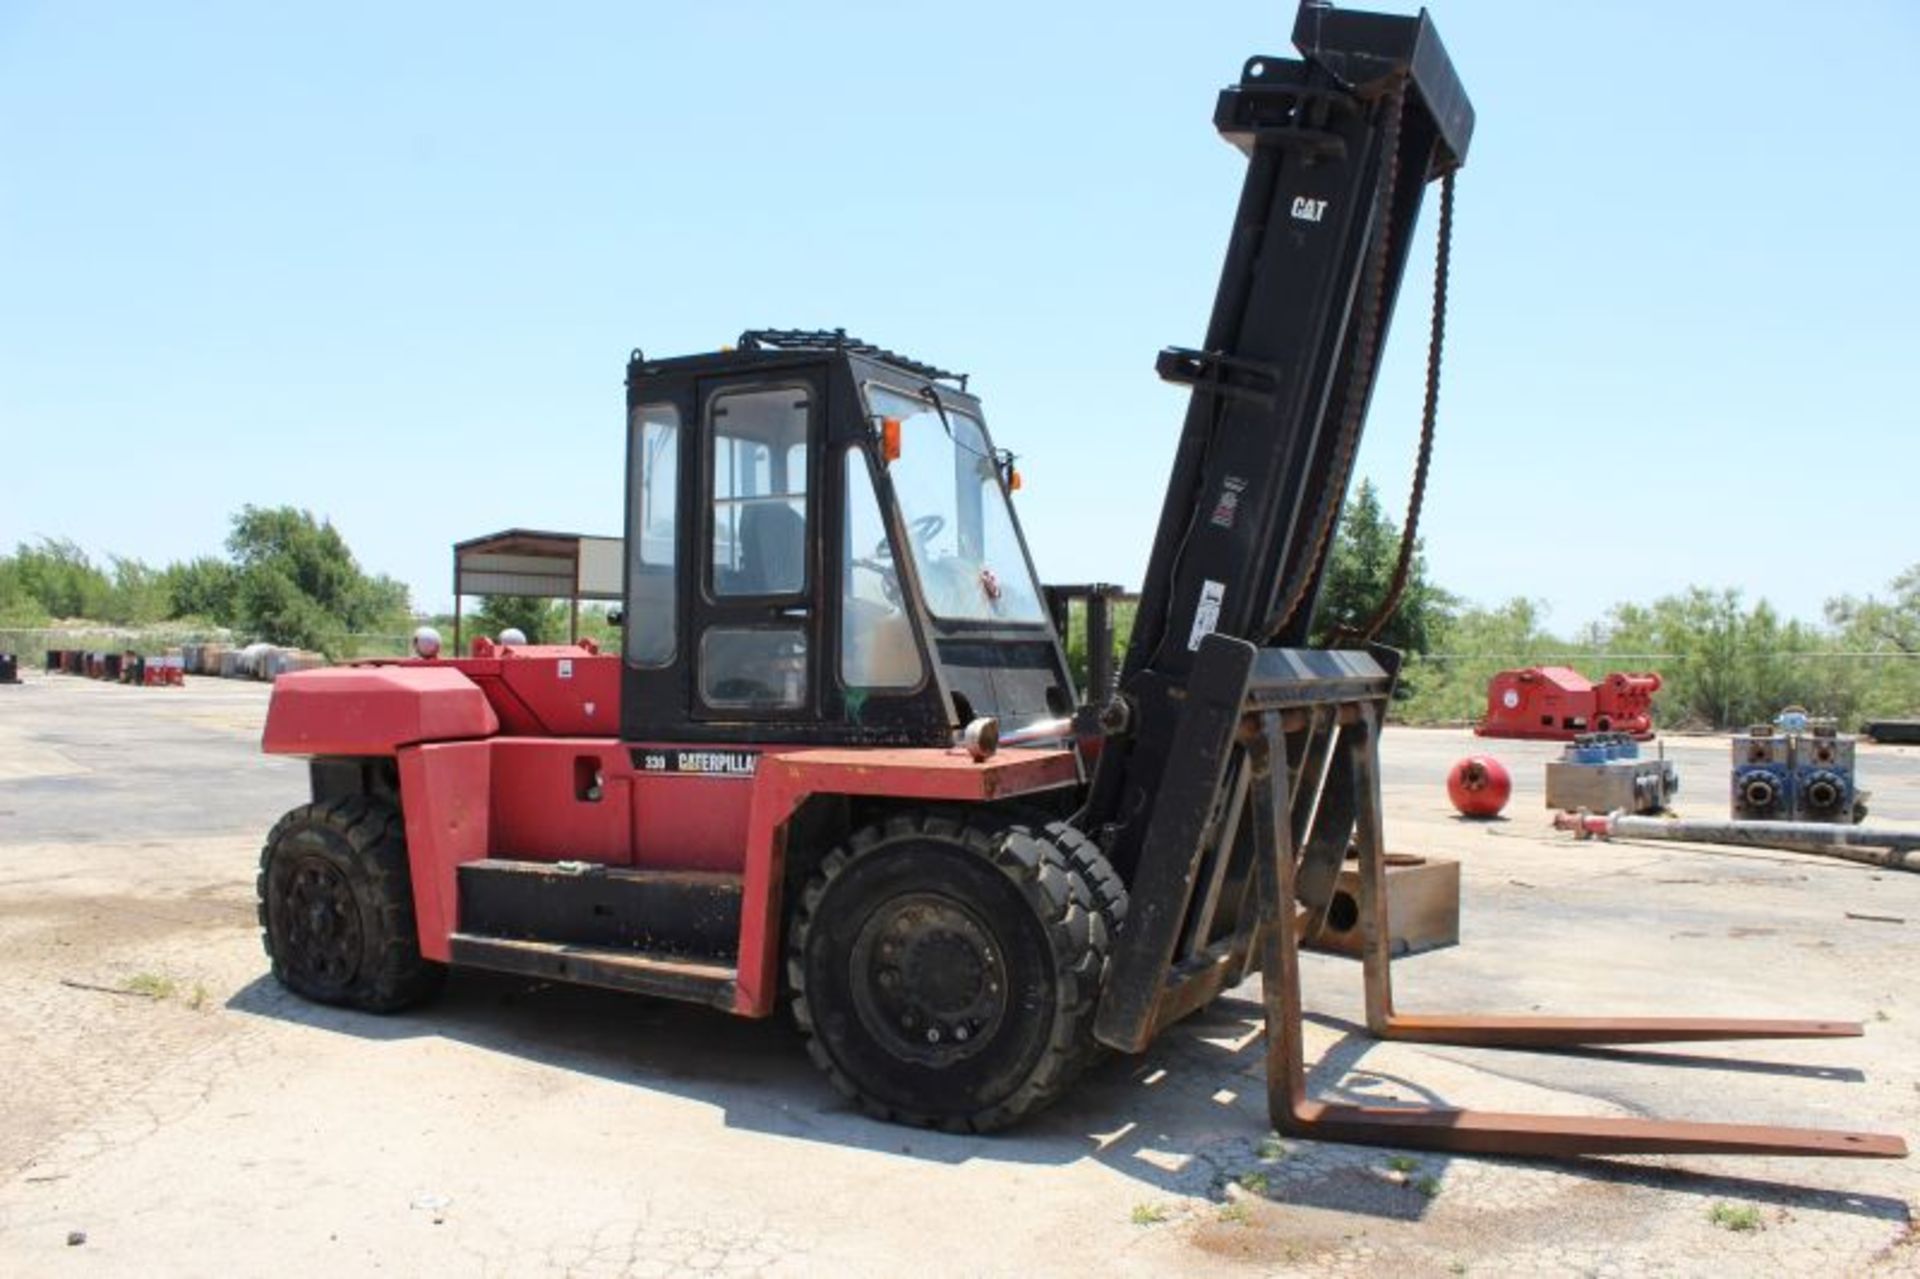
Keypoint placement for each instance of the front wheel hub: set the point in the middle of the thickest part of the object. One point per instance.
(929, 977)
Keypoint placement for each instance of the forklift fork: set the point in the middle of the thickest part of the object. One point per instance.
(1300, 692)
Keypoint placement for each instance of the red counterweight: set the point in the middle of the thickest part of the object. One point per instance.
(1558, 703)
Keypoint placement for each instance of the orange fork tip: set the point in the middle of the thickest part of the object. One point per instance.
(1571, 1032)
(1560, 1136)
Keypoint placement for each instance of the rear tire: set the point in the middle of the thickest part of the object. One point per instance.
(336, 907)
(945, 969)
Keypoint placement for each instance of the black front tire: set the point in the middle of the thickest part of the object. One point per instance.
(944, 969)
(336, 907)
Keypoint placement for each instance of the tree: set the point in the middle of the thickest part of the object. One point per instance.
(298, 583)
(206, 587)
(17, 603)
(57, 575)
(542, 621)
(1471, 644)
(1724, 665)
(1882, 640)
(1366, 548)
(136, 595)
(1890, 624)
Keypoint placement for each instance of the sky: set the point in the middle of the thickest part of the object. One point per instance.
(385, 262)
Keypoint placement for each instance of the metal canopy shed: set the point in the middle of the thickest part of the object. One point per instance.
(537, 565)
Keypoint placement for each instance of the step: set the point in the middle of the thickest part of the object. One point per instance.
(637, 972)
(690, 914)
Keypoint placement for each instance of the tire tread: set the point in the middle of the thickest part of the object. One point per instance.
(373, 834)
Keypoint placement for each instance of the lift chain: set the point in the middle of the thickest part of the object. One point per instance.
(1366, 346)
(1436, 339)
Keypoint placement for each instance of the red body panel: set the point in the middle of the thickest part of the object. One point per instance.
(684, 822)
(543, 809)
(550, 692)
(445, 787)
(520, 798)
(373, 710)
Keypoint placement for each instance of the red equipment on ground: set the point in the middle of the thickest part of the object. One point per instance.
(1558, 703)
(1479, 786)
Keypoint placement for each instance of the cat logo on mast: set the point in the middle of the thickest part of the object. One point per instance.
(1308, 210)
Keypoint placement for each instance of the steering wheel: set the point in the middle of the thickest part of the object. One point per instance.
(923, 528)
(889, 580)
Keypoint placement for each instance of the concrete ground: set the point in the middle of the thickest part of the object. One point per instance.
(212, 1125)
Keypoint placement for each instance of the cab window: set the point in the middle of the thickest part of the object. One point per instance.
(653, 603)
(759, 464)
(877, 648)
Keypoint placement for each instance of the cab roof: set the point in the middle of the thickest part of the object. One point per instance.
(773, 344)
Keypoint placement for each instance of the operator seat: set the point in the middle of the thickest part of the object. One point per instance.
(773, 550)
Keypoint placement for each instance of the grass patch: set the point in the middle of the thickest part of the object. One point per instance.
(1254, 1181)
(1148, 1214)
(1429, 1186)
(1402, 1163)
(1237, 1212)
(1742, 1218)
(156, 986)
(152, 985)
(1272, 1148)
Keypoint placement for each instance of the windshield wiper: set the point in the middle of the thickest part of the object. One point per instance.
(1000, 459)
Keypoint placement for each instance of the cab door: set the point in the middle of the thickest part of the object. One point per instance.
(756, 649)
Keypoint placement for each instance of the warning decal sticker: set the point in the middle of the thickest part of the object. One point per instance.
(1206, 614)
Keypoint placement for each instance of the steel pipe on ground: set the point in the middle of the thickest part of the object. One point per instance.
(1872, 845)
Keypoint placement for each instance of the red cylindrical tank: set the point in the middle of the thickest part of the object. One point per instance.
(1479, 786)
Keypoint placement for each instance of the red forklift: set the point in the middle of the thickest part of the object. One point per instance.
(840, 762)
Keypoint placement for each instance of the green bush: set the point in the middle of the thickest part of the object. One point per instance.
(291, 580)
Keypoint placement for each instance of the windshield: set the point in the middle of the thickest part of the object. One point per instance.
(960, 530)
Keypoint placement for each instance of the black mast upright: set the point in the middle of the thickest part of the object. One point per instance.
(1340, 144)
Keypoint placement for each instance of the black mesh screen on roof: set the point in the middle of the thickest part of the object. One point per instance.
(837, 340)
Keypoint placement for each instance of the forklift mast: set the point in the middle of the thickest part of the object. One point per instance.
(1341, 144)
(1241, 769)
